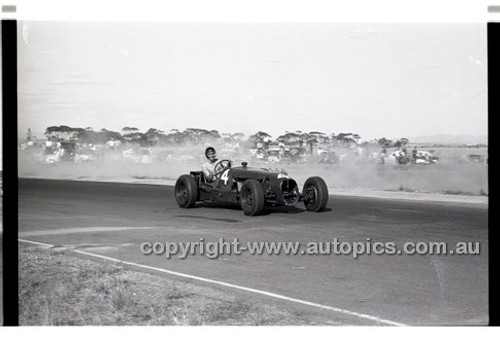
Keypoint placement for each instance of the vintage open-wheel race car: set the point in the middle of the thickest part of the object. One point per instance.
(251, 188)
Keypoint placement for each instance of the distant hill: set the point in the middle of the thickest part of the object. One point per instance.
(450, 139)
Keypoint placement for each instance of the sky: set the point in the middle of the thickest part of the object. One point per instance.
(378, 80)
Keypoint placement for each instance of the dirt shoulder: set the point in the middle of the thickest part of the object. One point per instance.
(414, 195)
(57, 287)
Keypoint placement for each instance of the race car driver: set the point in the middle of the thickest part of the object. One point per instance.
(208, 167)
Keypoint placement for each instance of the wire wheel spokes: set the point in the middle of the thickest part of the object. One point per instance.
(313, 195)
(247, 197)
(182, 192)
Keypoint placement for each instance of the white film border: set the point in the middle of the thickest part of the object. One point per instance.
(360, 11)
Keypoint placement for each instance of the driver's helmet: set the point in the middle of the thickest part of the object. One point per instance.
(208, 150)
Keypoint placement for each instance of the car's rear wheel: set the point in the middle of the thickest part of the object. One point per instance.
(186, 191)
(252, 197)
(315, 194)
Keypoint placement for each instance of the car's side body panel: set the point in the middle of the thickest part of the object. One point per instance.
(227, 187)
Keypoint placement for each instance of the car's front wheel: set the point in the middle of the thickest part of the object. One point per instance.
(315, 194)
(186, 191)
(252, 197)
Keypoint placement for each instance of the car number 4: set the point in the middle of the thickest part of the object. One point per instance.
(225, 177)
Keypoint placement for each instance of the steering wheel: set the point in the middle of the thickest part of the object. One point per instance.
(224, 164)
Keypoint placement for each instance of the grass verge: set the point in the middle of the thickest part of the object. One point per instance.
(59, 288)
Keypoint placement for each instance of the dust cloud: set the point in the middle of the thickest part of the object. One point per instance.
(165, 165)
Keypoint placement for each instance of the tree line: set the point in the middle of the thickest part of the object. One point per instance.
(156, 137)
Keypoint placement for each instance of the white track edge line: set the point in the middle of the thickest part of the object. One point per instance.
(36, 243)
(221, 283)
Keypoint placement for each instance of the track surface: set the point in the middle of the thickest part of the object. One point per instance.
(112, 219)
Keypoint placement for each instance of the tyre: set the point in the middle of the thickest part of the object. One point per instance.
(186, 191)
(316, 194)
(252, 197)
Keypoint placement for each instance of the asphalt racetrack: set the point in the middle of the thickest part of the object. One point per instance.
(112, 219)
